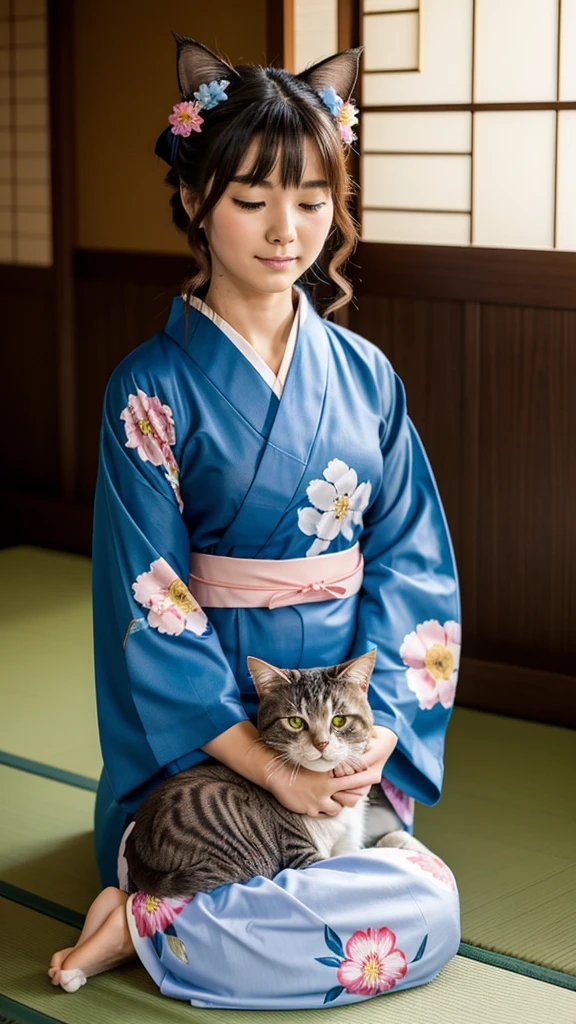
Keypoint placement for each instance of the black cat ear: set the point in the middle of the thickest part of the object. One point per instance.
(358, 670)
(266, 676)
(196, 64)
(340, 71)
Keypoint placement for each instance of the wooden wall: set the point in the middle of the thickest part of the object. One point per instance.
(490, 389)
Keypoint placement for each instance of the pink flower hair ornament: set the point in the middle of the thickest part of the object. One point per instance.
(185, 117)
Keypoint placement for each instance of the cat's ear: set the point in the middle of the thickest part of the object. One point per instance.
(358, 670)
(340, 71)
(266, 676)
(196, 64)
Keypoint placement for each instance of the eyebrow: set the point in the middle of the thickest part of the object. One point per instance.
(244, 179)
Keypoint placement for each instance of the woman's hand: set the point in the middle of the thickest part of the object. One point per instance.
(369, 771)
(317, 793)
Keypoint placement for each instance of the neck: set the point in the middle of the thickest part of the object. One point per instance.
(263, 319)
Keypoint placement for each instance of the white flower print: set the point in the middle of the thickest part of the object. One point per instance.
(339, 502)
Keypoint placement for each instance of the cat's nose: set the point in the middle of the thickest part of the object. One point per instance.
(321, 746)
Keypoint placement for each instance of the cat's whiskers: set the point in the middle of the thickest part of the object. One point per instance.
(283, 758)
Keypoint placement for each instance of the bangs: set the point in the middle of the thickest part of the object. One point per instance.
(281, 131)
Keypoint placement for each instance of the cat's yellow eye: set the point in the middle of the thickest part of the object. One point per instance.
(339, 721)
(295, 722)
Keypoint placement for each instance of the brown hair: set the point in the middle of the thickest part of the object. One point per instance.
(282, 109)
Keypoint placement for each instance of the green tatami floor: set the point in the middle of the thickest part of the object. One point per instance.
(505, 825)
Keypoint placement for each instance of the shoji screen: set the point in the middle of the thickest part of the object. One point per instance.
(469, 122)
(25, 201)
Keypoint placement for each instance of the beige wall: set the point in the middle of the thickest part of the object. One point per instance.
(126, 86)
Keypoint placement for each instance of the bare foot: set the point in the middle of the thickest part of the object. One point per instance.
(110, 946)
(102, 907)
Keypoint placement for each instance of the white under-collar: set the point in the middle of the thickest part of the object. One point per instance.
(275, 381)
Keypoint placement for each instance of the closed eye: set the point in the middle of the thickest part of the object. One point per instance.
(257, 206)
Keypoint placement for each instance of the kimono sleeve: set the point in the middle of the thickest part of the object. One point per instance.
(409, 605)
(163, 685)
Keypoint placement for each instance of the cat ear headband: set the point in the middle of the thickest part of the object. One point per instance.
(198, 70)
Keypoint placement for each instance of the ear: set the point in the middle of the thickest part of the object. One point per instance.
(339, 71)
(358, 670)
(266, 676)
(196, 64)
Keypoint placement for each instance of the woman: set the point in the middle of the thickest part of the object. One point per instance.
(275, 446)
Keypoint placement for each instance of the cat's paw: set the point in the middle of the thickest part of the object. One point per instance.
(347, 768)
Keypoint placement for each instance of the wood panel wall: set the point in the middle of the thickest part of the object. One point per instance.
(490, 390)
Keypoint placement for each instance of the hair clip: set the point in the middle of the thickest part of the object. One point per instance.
(345, 113)
(185, 116)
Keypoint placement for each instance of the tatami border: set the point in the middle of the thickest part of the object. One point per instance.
(24, 1014)
(72, 917)
(48, 771)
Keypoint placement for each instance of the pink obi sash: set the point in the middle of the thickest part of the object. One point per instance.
(221, 582)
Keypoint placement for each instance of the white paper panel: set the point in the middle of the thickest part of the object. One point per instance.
(422, 228)
(30, 31)
(6, 249)
(34, 250)
(32, 115)
(446, 71)
(514, 178)
(417, 182)
(30, 7)
(391, 41)
(516, 51)
(566, 208)
(414, 133)
(31, 87)
(32, 140)
(568, 51)
(390, 5)
(33, 168)
(36, 195)
(315, 32)
(34, 59)
(36, 223)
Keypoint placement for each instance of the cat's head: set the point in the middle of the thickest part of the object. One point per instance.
(315, 717)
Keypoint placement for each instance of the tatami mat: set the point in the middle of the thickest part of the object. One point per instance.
(505, 823)
(463, 990)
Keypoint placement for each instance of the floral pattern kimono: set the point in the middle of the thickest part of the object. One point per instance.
(204, 450)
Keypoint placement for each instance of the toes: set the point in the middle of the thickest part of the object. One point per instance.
(60, 956)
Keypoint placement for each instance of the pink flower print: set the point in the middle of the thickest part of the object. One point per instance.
(436, 867)
(401, 802)
(374, 964)
(185, 118)
(149, 428)
(154, 915)
(172, 608)
(433, 654)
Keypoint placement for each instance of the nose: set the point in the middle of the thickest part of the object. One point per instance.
(281, 232)
(321, 746)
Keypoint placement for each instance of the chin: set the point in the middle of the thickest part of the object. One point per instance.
(320, 764)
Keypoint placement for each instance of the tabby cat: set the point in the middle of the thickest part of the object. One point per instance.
(209, 826)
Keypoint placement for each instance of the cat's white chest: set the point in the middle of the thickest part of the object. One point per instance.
(341, 834)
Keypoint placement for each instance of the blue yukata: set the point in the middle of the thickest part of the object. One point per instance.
(203, 449)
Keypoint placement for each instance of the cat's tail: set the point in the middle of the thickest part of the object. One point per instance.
(180, 883)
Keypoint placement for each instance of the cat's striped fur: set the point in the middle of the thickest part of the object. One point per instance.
(209, 826)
